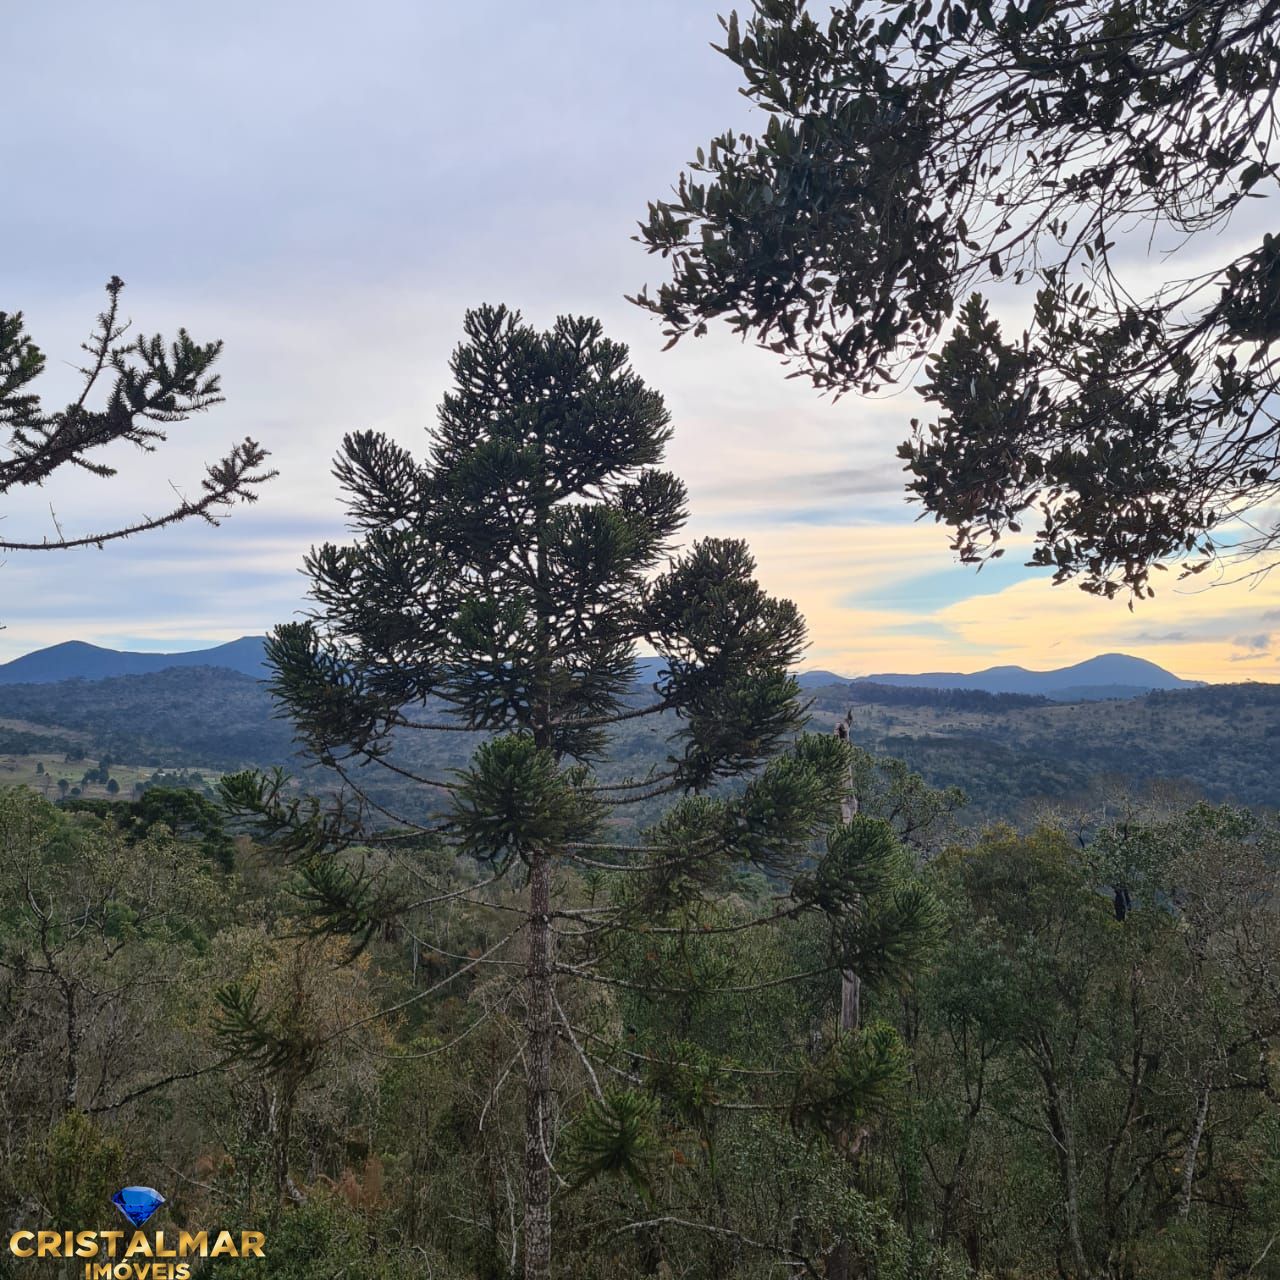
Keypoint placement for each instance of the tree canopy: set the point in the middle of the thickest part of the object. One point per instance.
(924, 164)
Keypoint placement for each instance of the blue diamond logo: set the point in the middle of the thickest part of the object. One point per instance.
(137, 1203)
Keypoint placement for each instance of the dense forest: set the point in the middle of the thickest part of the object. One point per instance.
(500, 958)
(1046, 1083)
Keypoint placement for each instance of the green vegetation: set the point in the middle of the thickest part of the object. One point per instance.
(197, 716)
(490, 1018)
(502, 587)
(1014, 762)
(918, 166)
(1050, 1090)
(547, 969)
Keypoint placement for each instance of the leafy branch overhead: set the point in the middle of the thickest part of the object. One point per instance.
(918, 156)
(149, 387)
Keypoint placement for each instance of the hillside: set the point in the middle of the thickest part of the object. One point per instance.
(1008, 751)
(182, 716)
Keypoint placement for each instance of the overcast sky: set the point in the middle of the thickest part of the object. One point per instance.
(327, 187)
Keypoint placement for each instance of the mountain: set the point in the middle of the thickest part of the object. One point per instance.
(76, 660)
(1110, 675)
(820, 679)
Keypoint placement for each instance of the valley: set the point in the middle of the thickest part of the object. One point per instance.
(1013, 755)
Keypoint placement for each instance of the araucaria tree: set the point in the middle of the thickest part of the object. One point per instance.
(502, 586)
(149, 387)
(917, 155)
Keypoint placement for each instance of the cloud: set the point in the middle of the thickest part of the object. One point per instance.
(791, 490)
(1259, 643)
(1022, 622)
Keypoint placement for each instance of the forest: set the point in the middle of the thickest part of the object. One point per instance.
(531, 917)
(1012, 755)
(1040, 1087)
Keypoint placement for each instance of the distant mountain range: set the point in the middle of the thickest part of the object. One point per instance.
(76, 660)
(1112, 675)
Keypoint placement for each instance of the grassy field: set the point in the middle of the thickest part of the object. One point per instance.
(24, 771)
(43, 771)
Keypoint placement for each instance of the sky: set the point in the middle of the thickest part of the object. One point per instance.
(327, 188)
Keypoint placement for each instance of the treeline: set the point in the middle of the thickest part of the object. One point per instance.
(24, 742)
(1251, 696)
(868, 693)
(1012, 752)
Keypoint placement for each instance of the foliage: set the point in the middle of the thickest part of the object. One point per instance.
(1076, 1066)
(613, 1135)
(915, 154)
(370, 1122)
(501, 588)
(1006, 754)
(208, 716)
(153, 386)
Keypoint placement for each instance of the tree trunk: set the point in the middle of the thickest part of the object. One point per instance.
(280, 1127)
(1063, 1134)
(1193, 1151)
(850, 1017)
(850, 1000)
(850, 983)
(71, 1084)
(538, 1032)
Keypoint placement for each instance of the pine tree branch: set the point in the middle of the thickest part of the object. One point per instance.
(654, 793)
(471, 1027)
(621, 717)
(454, 955)
(228, 481)
(365, 798)
(442, 726)
(453, 894)
(786, 980)
(173, 1078)
(671, 1062)
(408, 774)
(153, 387)
(573, 1040)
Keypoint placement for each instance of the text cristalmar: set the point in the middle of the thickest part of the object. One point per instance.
(123, 1255)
